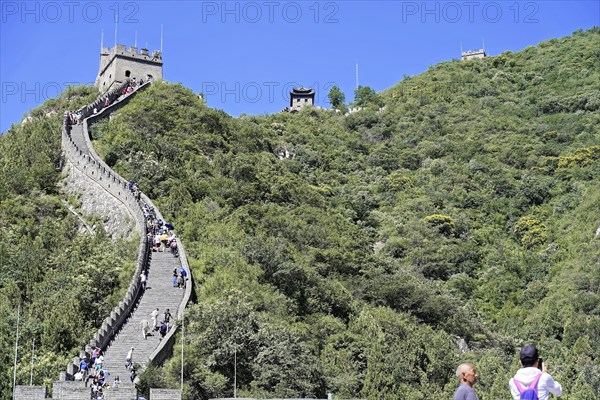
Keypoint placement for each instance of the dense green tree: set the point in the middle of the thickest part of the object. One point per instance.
(365, 95)
(336, 97)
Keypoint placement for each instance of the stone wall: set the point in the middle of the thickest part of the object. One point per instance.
(95, 201)
(91, 169)
(165, 349)
(94, 198)
(165, 394)
(121, 393)
(29, 393)
(70, 391)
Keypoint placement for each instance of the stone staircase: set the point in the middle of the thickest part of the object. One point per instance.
(79, 139)
(159, 293)
(122, 329)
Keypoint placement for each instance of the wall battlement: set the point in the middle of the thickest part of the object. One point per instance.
(133, 52)
(81, 156)
(119, 63)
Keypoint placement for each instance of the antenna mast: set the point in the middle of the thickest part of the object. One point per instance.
(116, 27)
(135, 43)
(101, 40)
(161, 38)
(356, 74)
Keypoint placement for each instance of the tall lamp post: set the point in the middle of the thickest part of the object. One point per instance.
(182, 335)
(16, 350)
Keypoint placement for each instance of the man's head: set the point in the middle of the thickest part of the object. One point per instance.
(466, 374)
(529, 356)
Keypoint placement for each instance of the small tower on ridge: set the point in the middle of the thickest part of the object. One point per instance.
(301, 97)
(473, 54)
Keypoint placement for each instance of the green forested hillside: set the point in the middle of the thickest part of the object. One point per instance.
(58, 282)
(354, 263)
(356, 254)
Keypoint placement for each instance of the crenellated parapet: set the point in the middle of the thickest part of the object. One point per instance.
(78, 150)
(119, 64)
(85, 159)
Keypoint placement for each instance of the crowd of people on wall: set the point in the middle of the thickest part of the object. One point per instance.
(160, 236)
(95, 376)
(76, 117)
(161, 327)
(135, 190)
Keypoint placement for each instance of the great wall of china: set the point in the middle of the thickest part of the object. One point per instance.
(120, 330)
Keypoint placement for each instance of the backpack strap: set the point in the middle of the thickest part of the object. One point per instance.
(520, 387)
(532, 385)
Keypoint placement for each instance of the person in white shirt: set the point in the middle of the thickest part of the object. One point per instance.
(145, 325)
(143, 280)
(154, 316)
(531, 371)
(129, 359)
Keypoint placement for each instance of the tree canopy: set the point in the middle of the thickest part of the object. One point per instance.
(336, 97)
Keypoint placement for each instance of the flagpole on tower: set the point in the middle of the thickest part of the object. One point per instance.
(116, 27)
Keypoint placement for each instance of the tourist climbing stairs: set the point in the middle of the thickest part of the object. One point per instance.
(122, 330)
(160, 294)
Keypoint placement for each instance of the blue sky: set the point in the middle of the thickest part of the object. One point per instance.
(245, 55)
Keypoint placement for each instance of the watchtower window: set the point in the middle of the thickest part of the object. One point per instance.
(127, 73)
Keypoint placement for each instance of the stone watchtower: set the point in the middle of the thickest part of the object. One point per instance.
(300, 98)
(118, 64)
